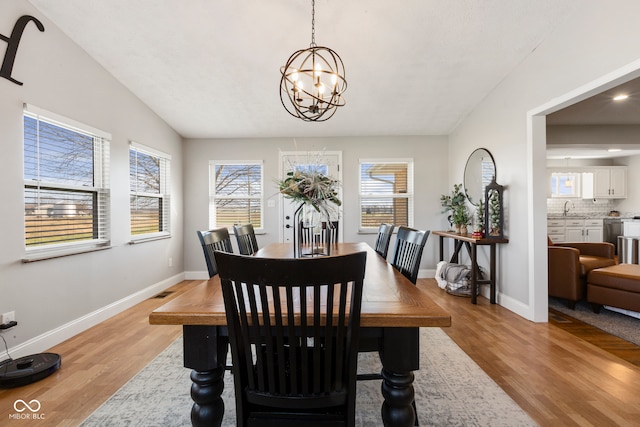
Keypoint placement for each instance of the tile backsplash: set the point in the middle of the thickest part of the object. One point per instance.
(585, 207)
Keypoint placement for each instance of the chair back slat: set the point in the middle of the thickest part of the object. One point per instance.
(385, 231)
(294, 331)
(246, 237)
(214, 240)
(408, 251)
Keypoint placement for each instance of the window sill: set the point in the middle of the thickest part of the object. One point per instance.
(151, 238)
(52, 254)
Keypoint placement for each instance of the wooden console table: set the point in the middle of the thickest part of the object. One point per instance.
(471, 243)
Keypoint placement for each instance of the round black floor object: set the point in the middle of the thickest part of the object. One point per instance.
(28, 369)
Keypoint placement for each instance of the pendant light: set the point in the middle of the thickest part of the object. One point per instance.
(313, 81)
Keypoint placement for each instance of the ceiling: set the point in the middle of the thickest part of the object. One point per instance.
(601, 110)
(211, 68)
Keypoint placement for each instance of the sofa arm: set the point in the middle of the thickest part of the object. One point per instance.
(599, 249)
(564, 273)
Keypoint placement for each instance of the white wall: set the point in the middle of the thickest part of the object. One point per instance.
(599, 38)
(430, 170)
(55, 298)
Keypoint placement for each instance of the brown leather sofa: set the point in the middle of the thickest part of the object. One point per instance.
(569, 265)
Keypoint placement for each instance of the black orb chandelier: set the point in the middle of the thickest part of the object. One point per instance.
(313, 81)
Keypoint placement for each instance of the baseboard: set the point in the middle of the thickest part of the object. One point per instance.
(196, 275)
(427, 273)
(522, 310)
(62, 333)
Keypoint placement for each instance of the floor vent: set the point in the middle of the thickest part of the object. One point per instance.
(163, 294)
(559, 319)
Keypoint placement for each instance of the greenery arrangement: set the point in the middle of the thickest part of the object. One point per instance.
(478, 228)
(456, 202)
(310, 188)
(494, 213)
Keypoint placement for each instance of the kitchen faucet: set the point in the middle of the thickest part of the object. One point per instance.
(565, 210)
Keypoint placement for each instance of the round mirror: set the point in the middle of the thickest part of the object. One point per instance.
(479, 171)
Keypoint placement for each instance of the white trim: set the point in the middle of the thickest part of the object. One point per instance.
(148, 150)
(48, 116)
(57, 335)
(536, 218)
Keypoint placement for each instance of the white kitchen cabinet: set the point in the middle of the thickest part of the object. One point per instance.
(555, 230)
(593, 230)
(606, 182)
(575, 230)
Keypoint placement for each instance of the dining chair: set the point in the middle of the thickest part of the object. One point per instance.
(211, 240)
(385, 231)
(246, 236)
(293, 327)
(408, 251)
(406, 259)
(329, 232)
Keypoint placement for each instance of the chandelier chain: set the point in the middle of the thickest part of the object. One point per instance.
(313, 23)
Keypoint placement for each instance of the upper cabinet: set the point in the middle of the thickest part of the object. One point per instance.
(605, 182)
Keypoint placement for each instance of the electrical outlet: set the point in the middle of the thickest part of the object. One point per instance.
(170, 262)
(7, 317)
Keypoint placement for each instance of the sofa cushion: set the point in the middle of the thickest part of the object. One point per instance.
(625, 277)
(588, 263)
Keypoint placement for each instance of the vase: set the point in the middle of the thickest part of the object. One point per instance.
(463, 229)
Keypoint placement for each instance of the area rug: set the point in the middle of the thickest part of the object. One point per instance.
(450, 390)
(614, 323)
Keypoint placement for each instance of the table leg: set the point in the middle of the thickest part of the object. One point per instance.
(400, 355)
(205, 351)
(492, 272)
(474, 274)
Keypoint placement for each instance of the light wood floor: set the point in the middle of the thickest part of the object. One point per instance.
(556, 377)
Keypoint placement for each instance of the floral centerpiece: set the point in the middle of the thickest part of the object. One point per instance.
(318, 197)
(312, 188)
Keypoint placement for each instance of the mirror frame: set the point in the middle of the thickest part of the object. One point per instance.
(473, 167)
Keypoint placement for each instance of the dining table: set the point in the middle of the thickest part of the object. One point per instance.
(393, 311)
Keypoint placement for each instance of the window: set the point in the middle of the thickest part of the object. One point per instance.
(235, 194)
(565, 184)
(386, 193)
(149, 181)
(66, 183)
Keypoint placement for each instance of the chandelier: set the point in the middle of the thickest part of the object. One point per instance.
(313, 81)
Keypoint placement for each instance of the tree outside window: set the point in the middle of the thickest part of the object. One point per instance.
(235, 194)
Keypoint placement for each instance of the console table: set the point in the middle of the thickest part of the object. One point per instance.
(471, 243)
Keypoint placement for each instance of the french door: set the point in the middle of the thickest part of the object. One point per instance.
(326, 162)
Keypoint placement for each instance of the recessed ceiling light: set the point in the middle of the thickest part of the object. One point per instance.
(614, 150)
(620, 97)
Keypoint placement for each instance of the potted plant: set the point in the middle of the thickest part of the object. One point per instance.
(456, 203)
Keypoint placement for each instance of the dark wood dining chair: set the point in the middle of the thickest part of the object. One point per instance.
(329, 232)
(385, 231)
(406, 259)
(408, 251)
(211, 240)
(293, 327)
(246, 237)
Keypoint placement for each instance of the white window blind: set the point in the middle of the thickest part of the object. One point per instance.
(149, 178)
(66, 183)
(235, 194)
(386, 193)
